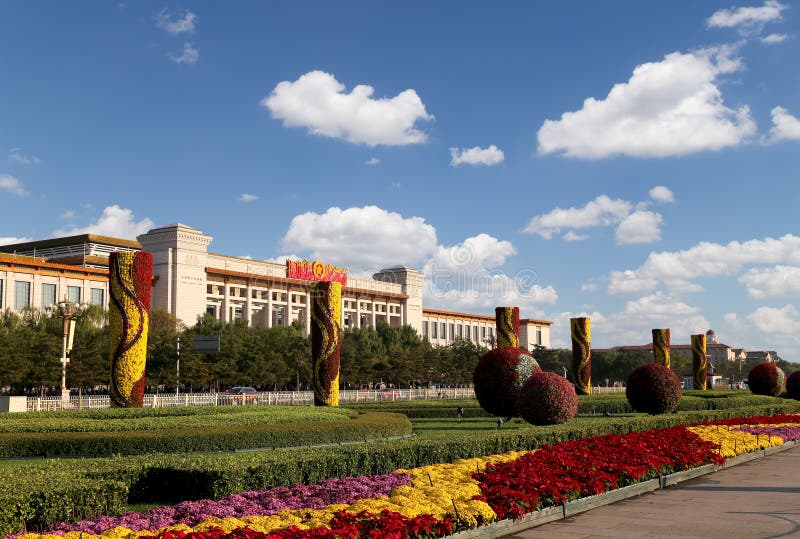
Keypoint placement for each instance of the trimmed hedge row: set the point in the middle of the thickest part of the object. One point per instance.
(612, 403)
(180, 418)
(170, 478)
(369, 425)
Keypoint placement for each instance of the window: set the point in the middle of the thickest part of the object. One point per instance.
(475, 334)
(424, 330)
(22, 295)
(443, 332)
(238, 312)
(452, 332)
(539, 336)
(434, 328)
(74, 294)
(483, 332)
(460, 331)
(97, 296)
(212, 310)
(1, 293)
(48, 295)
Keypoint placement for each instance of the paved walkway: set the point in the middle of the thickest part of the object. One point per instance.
(757, 499)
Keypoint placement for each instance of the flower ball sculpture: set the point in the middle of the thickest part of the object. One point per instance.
(654, 389)
(547, 399)
(499, 376)
(766, 379)
(793, 385)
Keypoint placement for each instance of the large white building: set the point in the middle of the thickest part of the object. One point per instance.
(190, 281)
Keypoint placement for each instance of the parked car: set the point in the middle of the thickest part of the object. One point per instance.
(242, 395)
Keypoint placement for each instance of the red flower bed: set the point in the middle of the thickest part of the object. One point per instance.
(387, 525)
(758, 420)
(570, 470)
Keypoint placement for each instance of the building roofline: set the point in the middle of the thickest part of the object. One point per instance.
(39, 263)
(70, 240)
(439, 312)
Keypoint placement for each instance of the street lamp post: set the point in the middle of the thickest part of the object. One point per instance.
(67, 311)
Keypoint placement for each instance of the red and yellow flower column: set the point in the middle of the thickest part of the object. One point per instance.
(699, 362)
(130, 279)
(580, 330)
(507, 321)
(326, 341)
(661, 347)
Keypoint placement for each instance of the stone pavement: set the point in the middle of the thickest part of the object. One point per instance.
(758, 499)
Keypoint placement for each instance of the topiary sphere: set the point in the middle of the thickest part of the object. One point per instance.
(793, 385)
(766, 379)
(654, 389)
(547, 399)
(499, 376)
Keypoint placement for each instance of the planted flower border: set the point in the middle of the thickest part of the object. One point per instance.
(524, 488)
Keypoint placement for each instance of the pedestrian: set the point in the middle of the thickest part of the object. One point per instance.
(460, 412)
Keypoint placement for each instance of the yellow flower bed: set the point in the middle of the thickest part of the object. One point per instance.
(733, 442)
(433, 490)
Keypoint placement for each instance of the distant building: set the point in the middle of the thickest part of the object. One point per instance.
(189, 281)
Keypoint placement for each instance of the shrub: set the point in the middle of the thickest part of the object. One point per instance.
(793, 385)
(547, 399)
(499, 376)
(766, 379)
(653, 389)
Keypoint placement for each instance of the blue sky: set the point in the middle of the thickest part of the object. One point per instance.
(633, 161)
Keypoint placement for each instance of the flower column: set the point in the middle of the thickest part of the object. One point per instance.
(661, 347)
(699, 361)
(581, 354)
(507, 321)
(130, 281)
(326, 341)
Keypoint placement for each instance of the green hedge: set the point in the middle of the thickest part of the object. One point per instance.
(135, 419)
(369, 425)
(168, 478)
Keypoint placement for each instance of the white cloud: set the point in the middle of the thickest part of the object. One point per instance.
(774, 38)
(705, 259)
(476, 156)
(372, 161)
(659, 193)
(116, 222)
(317, 101)
(12, 185)
(785, 320)
(748, 20)
(778, 281)
(639, 227)
(785, 126)
(602, 211)
(68, 214)
(176, 25)
(633, 324)
(572, 236)
(589, 287)
(189, 55)
(246, 197)
(367, 238)
(9, 241)
(667, 108)
(15, 155)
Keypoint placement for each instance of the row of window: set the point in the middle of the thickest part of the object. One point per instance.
(438, 330)
(23, 300)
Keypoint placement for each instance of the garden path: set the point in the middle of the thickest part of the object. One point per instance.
(758, 499)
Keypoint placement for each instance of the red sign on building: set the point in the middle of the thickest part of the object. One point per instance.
(315, 271)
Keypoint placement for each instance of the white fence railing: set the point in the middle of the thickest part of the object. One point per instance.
(162, 400)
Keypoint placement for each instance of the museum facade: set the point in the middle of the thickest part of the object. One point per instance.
(190, 281)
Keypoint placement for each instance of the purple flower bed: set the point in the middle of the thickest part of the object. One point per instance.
(257, 503)
(787, 433)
